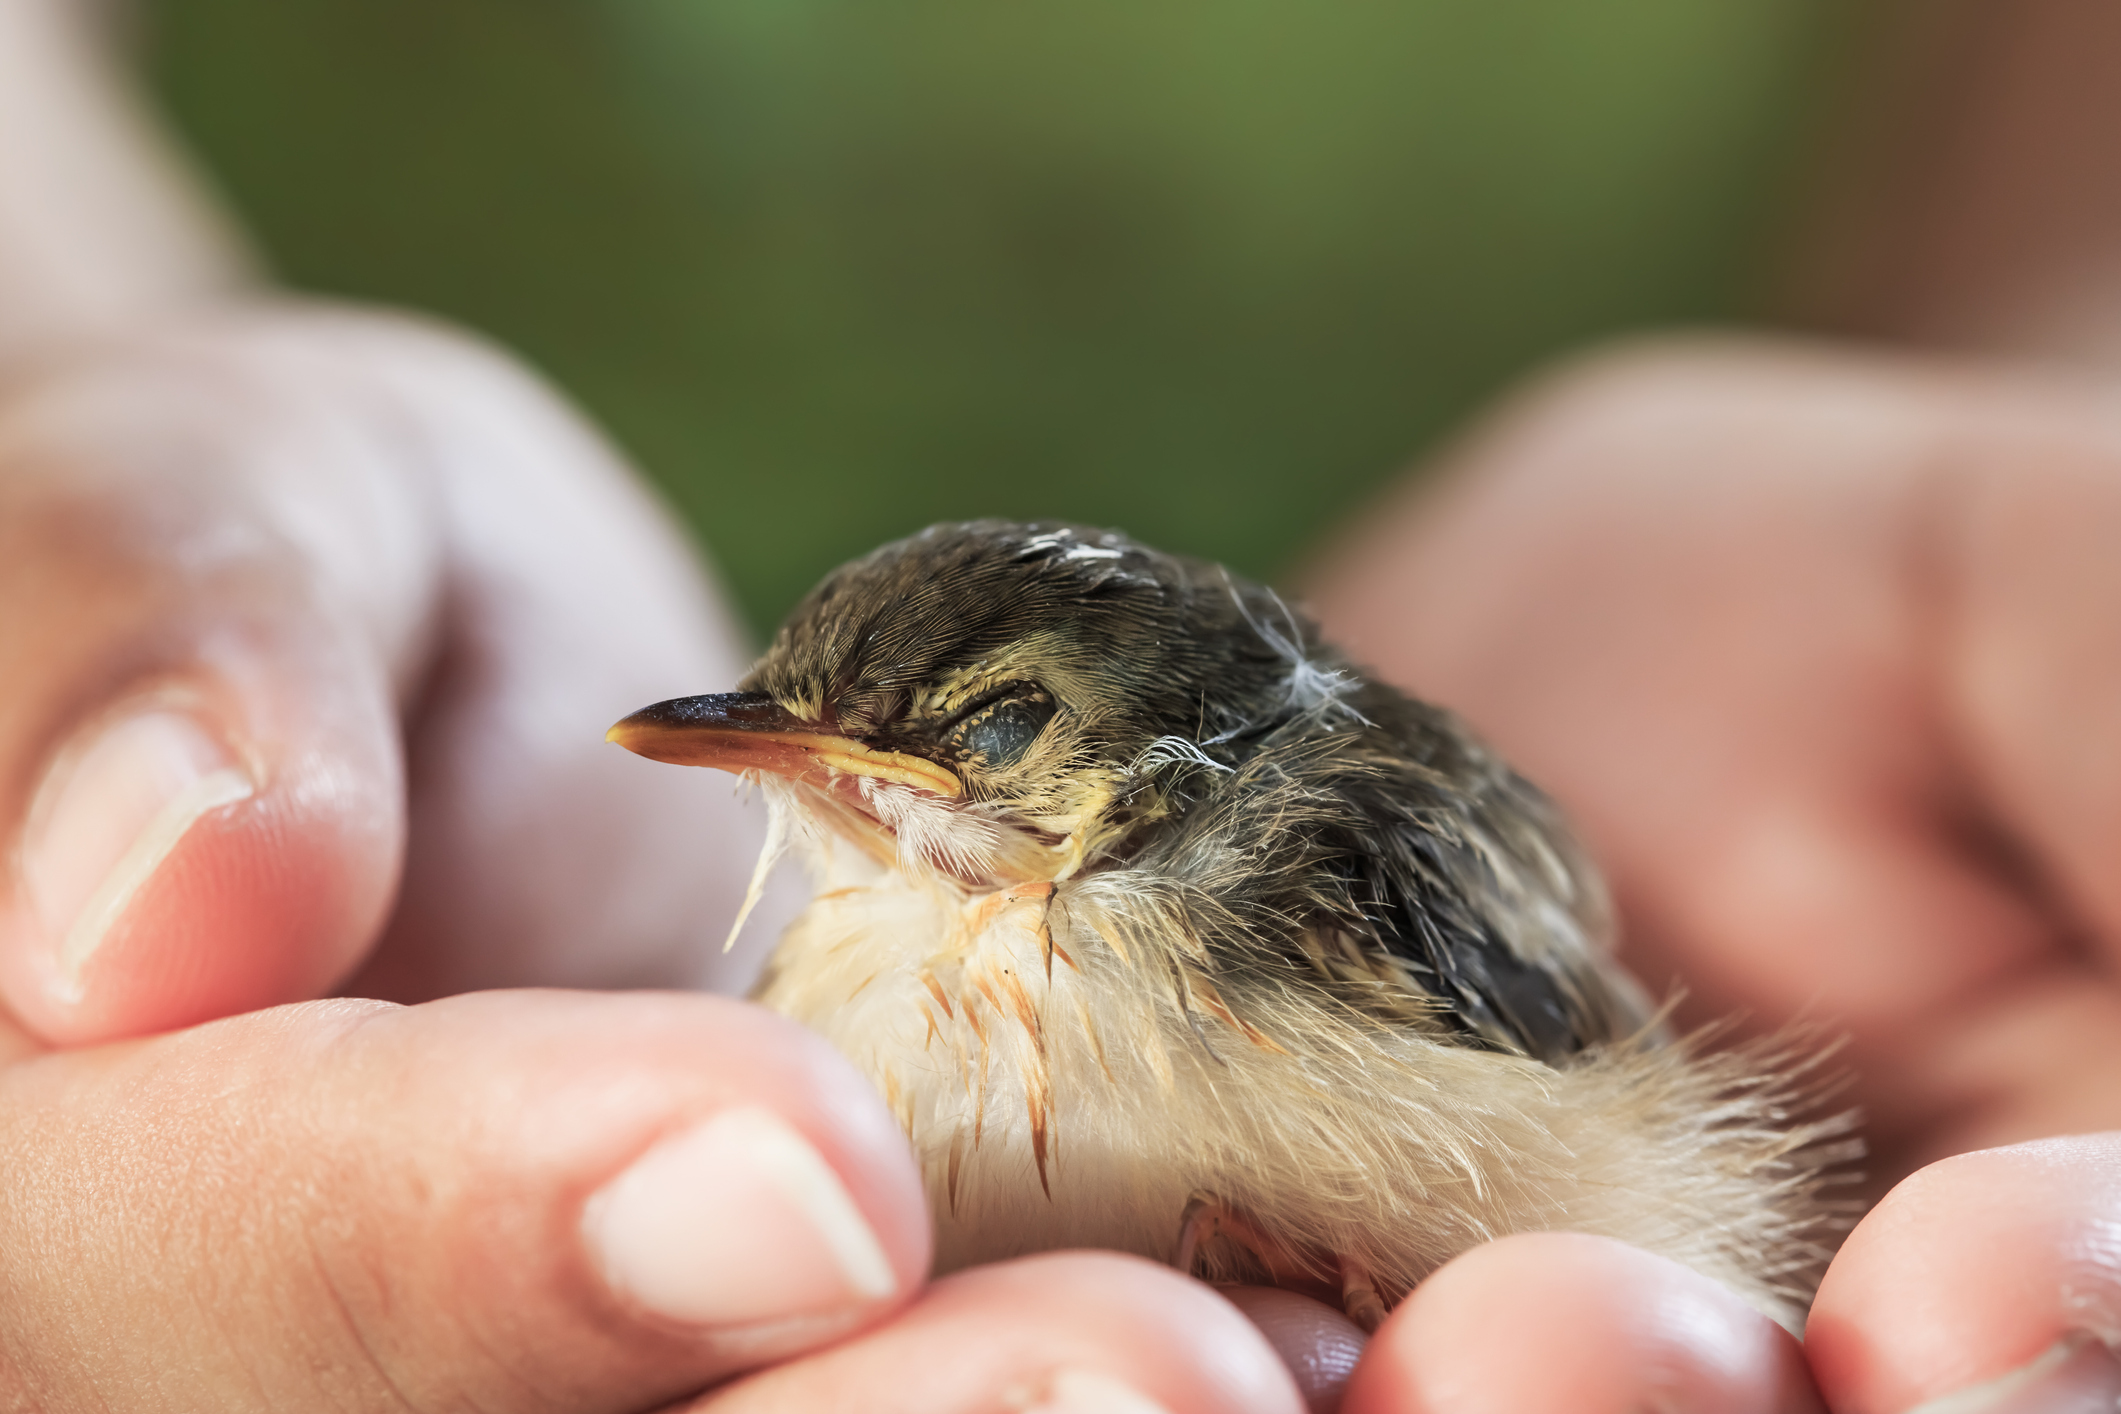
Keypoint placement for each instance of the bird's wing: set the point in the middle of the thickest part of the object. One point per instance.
(1478, 889)
(1403, 864)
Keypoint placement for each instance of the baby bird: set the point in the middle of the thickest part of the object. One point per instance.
(1162, 928)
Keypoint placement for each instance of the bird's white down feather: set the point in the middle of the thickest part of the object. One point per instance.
(1114, 1050)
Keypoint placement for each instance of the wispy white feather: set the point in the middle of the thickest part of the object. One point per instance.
(1172, 751)
(787, 822)
(1310, 686)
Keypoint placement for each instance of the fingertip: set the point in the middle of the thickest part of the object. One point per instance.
(414, 1197)
(1320, 1345)
(184, 856)
(1063, 1333)
(679, 1187)
(1180, 1344)
(1971, 1272)
(754, 1063)
(1559, 1320)
(269, 900)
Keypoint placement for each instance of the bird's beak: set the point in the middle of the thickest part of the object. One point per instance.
(749, 731)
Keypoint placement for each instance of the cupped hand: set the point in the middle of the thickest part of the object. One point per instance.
(1819, 649)
(532, 1201)
(282, 588)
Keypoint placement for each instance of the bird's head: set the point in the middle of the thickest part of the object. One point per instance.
(990, 701)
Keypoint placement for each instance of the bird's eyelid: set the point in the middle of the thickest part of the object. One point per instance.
(1017, 687)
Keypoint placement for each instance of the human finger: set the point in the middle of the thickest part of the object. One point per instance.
(1746, 608)
(1318, 1343)
(240, 561)
(1989, 1281)
(507, 1201)
(571, 600)
(1069, 1333)
(1672, 583)
(2029, 606)
(1545, 1321)
(213, 583)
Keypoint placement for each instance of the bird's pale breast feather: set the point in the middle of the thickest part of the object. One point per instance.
(1304, 944)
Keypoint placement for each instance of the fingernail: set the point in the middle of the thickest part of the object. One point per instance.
(108, 812)
(733, 1222)
(1086, 1392)
(2077, 1375)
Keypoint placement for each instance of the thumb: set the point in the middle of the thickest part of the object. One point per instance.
(506, 1201)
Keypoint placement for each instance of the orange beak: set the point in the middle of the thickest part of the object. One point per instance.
(749, 731)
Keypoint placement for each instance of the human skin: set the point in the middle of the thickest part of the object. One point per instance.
(310, 622)
(1816, 646)
(284, 543)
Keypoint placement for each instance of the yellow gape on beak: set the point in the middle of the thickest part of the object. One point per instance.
(749, 731)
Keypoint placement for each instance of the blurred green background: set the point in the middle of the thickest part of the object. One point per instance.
(1210, 270)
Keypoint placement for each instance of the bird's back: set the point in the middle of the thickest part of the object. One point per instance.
(1366, 845)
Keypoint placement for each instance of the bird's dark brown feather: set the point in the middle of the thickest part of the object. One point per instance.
(1324, 957)
(1322, 799)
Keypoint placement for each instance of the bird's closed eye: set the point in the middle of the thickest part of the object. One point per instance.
(1000, 729)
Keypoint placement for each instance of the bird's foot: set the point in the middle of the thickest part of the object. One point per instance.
(1200, 1221)
(1207, 1218)
(1358, 1294)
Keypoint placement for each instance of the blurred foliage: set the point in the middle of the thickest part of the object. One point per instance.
(832, 269)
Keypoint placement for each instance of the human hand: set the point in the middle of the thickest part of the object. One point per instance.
(525, 1201)
(292, 538)
(1817, 650)
(280, 588)
(244, 556)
